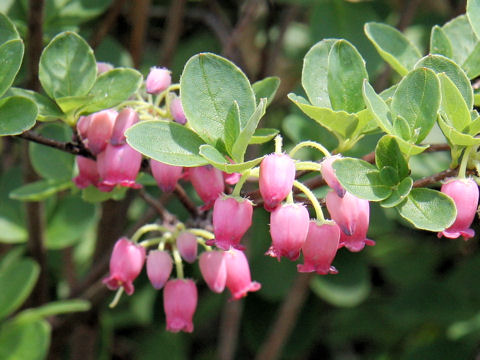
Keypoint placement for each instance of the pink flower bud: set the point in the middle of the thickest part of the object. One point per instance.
(166, 175)
(187, 246)
(464, 193)
(208, 182)
(231, 179)
(103, 67)
(329, 176)
(232, 217)
(87, 172)
(239, 281)
(83, 124)
(288, 228)
(126, 118)
(277, 173)
(176, 109)
(179, 303)
(159, 267)
(125, 265)
(100, 130)
(118, 165)
(352, 216)
(320, 248)
(214, 270)
(158, 80)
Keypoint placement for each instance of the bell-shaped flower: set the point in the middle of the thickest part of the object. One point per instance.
(288, 229)
(320, 248)
(159, 267)
(352, 215)
(87, 172)
(176, 109)
(214, 270)
(100, 130)
(329, 176)
(232, 217)
(126, 264)
(208, 183)
(158, 80)
(187, 246)
(464, 193)
(239, 280)
(83, 124)
(179, 303)
(118, 165)
(277, 173)
(125, 118)
(103, 67)
(165, 175)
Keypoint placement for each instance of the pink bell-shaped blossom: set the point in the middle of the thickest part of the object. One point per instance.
(187, 246)
(125, 118)
(288, 229)
(239, 280)
(464, 193)
(100, 130)
(232, 217)
(320, 248)
(103, 67)
(277, 173)
(158, 80)
(118, 165)
(125, 265)
(352, 215)
(329, 176)
(87, 172)
(208, 183)
(179, 303)
(83, 124)
(176, 109)
(165, 175)
(231, 179)
(214, 270)
(159, 267)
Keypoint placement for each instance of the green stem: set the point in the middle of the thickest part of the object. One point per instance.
(116, 299)
(313, 200)
(202, 233)
(311, 144)
(240, 183)
(463, 165)
(147, 228)
(290, 198)
(178, 261)
(308, 165)
(278, 144)
(151, 242)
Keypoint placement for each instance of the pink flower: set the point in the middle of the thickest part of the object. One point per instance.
(277, 173)
(320, 248)
(159, 267)
(165, 175)
(126, 118)
(329, 176)
(239, 281)
(118, 165)
(232, 217)
(464, 193)
(288, 228)
(158, 80)
(125, 265)
(83, 124)
(103, 67)
(231, 179)
(352, 216)
(214, 270)
(179, 303)
(87, 172)
(100, 130)
(208, 183)
(187, 246)
(176, 109)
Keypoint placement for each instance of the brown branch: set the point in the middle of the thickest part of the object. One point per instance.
(166, 215)
(429, 180)
(139, 27)
(35, 41)
(185, 200)
(173, 31)
(229, 327)
(107, 23)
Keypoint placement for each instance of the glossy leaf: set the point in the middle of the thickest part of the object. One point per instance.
(263, 135)
(387, 153)
(266, 88)
(48, 110)
(428, 209)
(11, 54)
(215, 158)
(17, 114)
(167, 142)
(399, 193)
(26, 341)
(439, 42)
(473, 14)
(453, 106)
(377, 106)
(40, 190)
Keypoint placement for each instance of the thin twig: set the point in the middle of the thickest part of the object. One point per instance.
(185, 200)
(105, 26)
(35, 41)
(166, 215)
(429, 180)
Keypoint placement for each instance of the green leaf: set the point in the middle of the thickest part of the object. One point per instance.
(387, 153)
(167, 142)
(314, 73)
(47, 108)
(72, 13)
(399, 193)
(401, 128)
(410, 149)
(428, 209)
(67, 66)
(113, 87)
(377, 107)
(417, 100)
(51, 309)
(461, 36)
(439, 42)
(393, 46)
(7, 29)
(241, 143)
(71, 104)
(471, 65)
(456, 137)
(17, 282)
(453, 107)
(440, 64)
(361, 179)
(215, 158)
(473, 128)
(209, 85)
(17, 114)
(266, 88)
(346, 72)
(12, 215)
(473, 14)
(232, 127)
(40, 190)
(27, 341)
(11, 54)
(263, 135)
(92, 195)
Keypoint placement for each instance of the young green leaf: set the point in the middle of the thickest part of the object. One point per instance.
(473, 14)
(461, 36)
(47, 108)
(401, 128)
(387, 153)
(215, 158)
(51, 309)
(11, 54)
(472, 64)
(453, 106)
(73, 104)
(410, 149)
(17, 114)
(399, 193)
(456, 137)
(266, 88)
(232, 127)
(439, 42)
(263, 135)
(377, 107)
